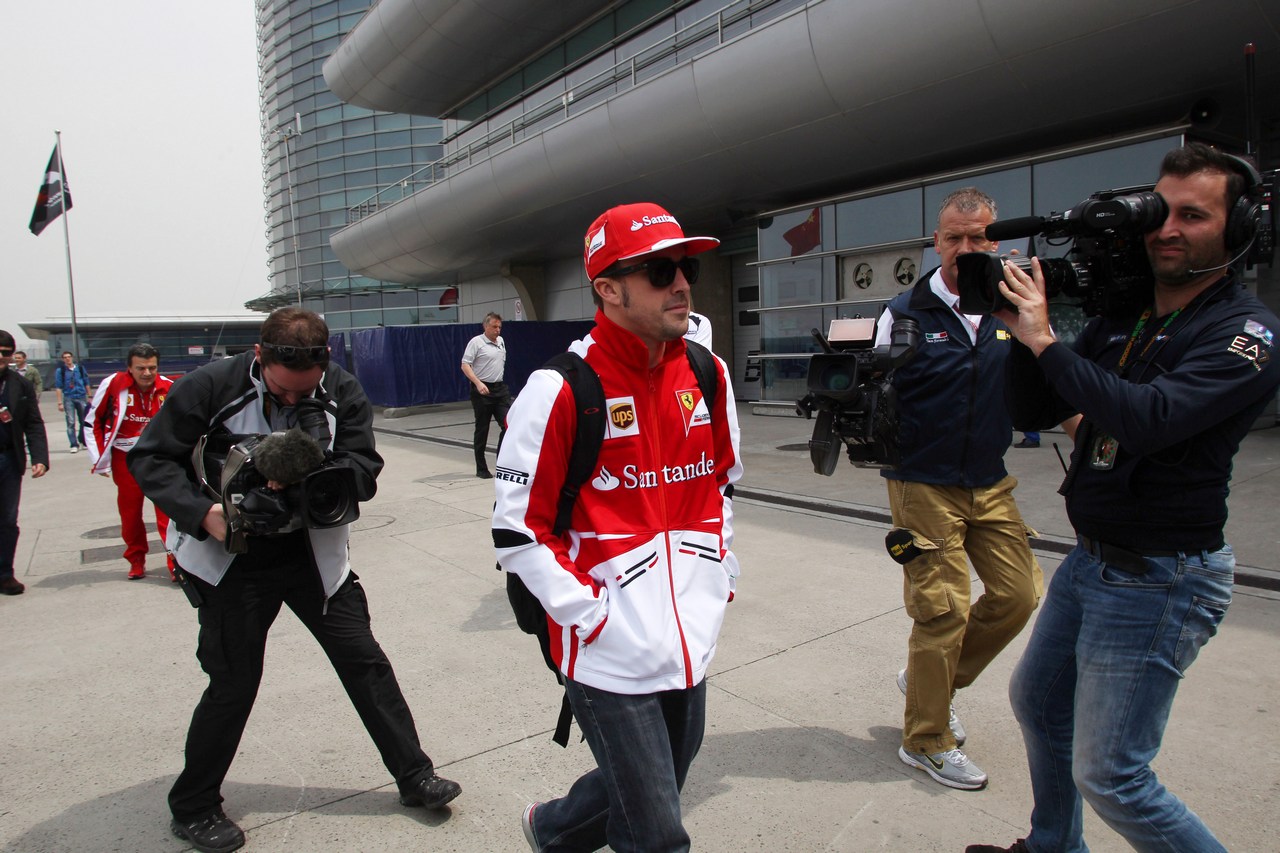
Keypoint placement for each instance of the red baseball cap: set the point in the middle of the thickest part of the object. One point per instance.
(631, 230)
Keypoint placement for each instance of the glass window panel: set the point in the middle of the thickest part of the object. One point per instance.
(354, 162)
(881, 219)
(583, 43)
(391, 121)
(360, 143)
(356, 126)
(792, 234)
(544, 67)
(395, 157)
(1061, 184)
(632, 14)
(399, 299)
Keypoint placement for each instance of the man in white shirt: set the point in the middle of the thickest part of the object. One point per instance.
(483, 363)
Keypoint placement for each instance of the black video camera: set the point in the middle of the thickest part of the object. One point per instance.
(851, 392)
(1106, 271)
(236, 470)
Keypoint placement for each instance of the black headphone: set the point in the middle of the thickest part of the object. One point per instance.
(1245, 217)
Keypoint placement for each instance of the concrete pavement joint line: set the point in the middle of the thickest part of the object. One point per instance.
(1246, 576)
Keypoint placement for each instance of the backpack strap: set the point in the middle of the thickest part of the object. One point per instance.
(703, 364)
(588, 400)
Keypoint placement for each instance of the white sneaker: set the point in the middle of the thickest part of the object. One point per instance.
(75, 449)
(953, 722)
(952, 768)
(526, 824)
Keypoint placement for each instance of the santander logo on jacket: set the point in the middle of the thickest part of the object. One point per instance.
(636, 589)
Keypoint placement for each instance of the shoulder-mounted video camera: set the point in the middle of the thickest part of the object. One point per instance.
(315, 493)
(851, 392)
(1107, 270)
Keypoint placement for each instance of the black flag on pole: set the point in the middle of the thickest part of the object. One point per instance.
(53, 191)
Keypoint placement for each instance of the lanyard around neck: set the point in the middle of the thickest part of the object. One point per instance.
(1137, 330)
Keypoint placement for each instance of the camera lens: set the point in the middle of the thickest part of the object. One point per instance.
(328, 498)
(836, 377)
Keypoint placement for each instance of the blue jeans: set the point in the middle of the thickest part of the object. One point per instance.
(10, 494)
(75, 412)
(643, 746)
(1094, 688)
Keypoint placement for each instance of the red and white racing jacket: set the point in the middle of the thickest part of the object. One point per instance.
(118, 415)
(636, 589)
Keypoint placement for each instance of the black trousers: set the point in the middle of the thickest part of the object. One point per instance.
(235, 618)
(492, 405)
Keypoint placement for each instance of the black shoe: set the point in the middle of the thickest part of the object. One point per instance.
(1025, 445)
(11, 586)
(1018, 846)
(213, 833)
(432, 792)
(484, 474)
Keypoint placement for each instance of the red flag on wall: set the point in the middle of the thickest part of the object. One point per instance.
(807, 235)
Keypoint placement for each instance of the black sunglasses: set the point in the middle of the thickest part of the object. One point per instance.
(289, 356)
(6, 351)
(662, 271)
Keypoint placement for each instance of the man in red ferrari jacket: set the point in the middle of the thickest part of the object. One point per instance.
(635, 590)
(122, 408)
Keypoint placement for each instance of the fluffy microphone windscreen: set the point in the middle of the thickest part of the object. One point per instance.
(287, 457)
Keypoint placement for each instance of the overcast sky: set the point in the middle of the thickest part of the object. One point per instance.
(157, 102)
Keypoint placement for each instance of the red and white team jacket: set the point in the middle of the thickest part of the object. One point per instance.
(636, 590)
(117, 416)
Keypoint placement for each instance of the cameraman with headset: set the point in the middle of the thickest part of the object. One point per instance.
(1165, 397)
(273, 388)
(952, 499)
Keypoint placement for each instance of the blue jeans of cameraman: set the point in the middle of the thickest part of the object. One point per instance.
(1094, 688)
(643, 746)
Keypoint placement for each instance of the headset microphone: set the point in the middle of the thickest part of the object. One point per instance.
(1190, 273)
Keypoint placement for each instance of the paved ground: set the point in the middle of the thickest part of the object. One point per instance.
(804, 717)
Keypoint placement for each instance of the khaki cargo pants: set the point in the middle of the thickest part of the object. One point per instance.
(952, 642)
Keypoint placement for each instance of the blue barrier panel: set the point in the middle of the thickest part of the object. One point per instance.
(422, 365)
(338, 351)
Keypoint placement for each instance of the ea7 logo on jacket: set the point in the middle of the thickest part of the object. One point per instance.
(622, 417)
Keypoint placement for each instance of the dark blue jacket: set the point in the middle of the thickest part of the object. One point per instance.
(955, 425)
(1178, 413)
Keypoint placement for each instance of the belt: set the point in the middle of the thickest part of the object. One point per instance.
(1127, 559)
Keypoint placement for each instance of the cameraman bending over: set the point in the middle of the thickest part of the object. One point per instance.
(953, 494)
(1166, 397)
(239, 595)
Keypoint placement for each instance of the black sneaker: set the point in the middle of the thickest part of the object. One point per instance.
(432, 792)
(213, 833)
(484, 474)
(1019, 846)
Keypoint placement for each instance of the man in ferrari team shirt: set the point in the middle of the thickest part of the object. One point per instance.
(635, 588)
(124, 405)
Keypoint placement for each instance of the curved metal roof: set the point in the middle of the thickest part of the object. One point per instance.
(833, 94)
(425, 57)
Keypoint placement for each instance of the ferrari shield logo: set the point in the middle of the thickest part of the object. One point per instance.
(693, 408)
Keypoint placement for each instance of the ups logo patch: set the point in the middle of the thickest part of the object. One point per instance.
(622, 415)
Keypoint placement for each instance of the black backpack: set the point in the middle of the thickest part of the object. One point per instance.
(588, 397)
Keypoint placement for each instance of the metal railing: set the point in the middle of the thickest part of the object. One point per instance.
(698, 37)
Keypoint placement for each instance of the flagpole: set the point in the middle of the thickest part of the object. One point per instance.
(66, 234)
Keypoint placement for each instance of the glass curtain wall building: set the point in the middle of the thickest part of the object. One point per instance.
(320, 157)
